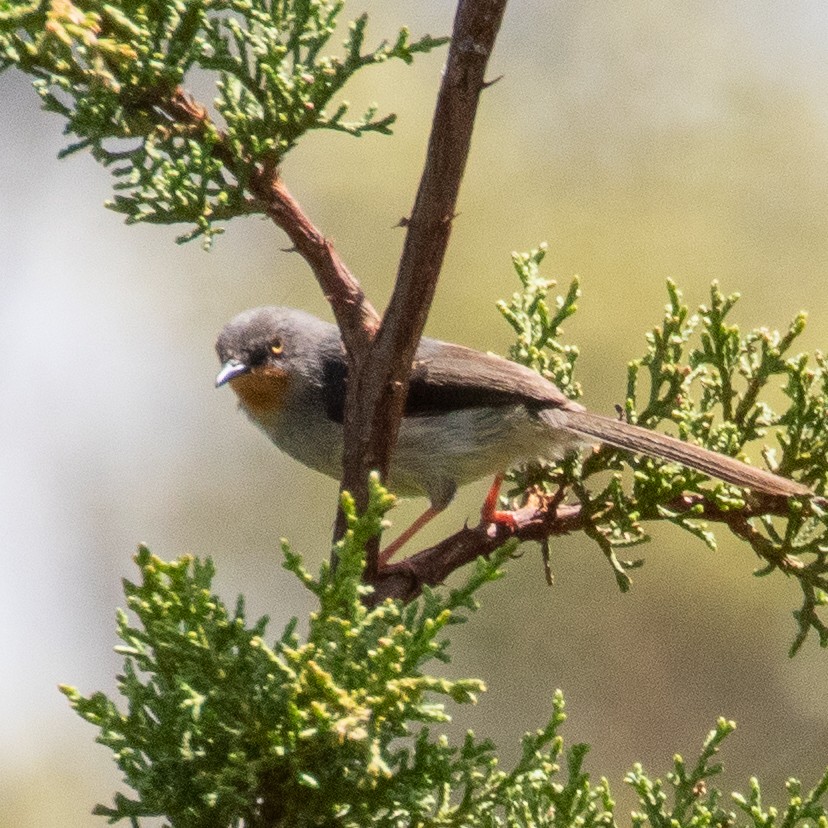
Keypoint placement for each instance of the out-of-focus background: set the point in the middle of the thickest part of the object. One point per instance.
(643, 140)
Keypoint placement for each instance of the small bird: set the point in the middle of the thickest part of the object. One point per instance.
(468, 414)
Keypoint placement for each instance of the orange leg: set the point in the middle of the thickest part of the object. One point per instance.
(490, 513)
(406, 536)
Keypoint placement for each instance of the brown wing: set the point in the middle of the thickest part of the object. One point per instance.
(447, 377)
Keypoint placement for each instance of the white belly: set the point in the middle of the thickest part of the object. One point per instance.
(434, 454)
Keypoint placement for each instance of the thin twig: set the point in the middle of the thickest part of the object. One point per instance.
(356, 317)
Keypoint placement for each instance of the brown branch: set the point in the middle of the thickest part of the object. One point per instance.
(545, 518)
(356, 317)
(376, 394)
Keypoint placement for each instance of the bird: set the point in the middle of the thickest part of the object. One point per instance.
(468, 414)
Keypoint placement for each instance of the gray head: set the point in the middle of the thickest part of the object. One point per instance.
(272, 340)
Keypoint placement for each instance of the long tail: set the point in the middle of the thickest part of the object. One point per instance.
(636, 439)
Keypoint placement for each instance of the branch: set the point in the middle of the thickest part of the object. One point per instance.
(377, 391)
(354, 314)
(545, 517)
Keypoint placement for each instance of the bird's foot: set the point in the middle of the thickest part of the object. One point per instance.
(502, 518)
(490, 513)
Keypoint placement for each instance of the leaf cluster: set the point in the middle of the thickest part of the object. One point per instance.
(538, 326)
(705, 380)
(115, 71)
(223, 727)
(689, 799)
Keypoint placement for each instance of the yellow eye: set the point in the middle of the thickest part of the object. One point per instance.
(276, 347)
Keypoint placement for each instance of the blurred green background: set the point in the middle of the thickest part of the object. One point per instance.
(643, 140)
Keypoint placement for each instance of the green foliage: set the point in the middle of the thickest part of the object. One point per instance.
(537, 327)
(806, 810)
(222, 727)
(714, 385)
(694, 803)
(115, 72)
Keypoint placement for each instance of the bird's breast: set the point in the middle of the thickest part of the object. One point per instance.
(262, 390)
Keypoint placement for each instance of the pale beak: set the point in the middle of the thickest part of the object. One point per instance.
(230, 370)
